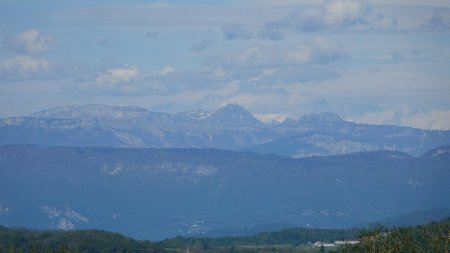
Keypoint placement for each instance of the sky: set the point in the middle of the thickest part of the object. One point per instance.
(378, 62)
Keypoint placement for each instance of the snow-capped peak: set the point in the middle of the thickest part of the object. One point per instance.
(90, 111)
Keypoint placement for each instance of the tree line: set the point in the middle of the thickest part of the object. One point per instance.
(430, 238)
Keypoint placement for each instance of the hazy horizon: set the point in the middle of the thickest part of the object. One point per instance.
(377, 62)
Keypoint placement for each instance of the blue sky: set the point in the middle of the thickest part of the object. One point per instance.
(382, 62)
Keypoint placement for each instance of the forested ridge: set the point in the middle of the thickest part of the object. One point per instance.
(25, 240)
(433, 237)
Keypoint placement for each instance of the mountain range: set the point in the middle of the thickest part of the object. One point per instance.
(231, 127)
(160, 193)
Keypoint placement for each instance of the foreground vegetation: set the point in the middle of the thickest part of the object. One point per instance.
(430, 238)
(433, 237)
(92, 241)
(287, 240)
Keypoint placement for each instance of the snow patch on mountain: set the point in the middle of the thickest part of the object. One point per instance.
(65, 224)
(412, 183)
(337, 147)
(4, 210)
(195, 115)
(439, 152)
(230, 127)
(67, 219)
(128, 139)
(179, 171)
(51, 212)
(91, 111)
(205, 170)
(113, 170)
(75, 216)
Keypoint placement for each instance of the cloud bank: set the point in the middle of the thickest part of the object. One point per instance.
(29, 42)
(23, 68)
(331, 15)
(319, 51)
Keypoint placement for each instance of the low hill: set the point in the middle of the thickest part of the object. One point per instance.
(432, 237)
(160, 193)
(86, 241)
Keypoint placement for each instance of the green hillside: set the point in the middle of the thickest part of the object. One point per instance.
(83, 241)
(433, 237)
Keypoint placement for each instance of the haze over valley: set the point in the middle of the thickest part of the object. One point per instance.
(224, 126)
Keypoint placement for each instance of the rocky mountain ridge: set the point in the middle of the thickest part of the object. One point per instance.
(231, 127)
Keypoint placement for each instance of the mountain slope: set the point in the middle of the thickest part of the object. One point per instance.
(91, 111)
(234, 115)
(96, 125)
(159, 193)
(24, 240)
(231, 127)
(327, 134)
(417, 217)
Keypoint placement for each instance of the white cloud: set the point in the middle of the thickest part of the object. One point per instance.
(402, 3)
(344, 12)
(270, 117)
(114, 78)
(299, 15)
(167, 70)
(29, 42)
(405, 116)
(411, 2)
(438, 120)
(300, 74)
(23, 68)
(319, 51)
(258, 66)
(332, 15)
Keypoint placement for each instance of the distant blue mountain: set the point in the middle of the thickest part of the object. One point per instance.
(419, 217)
(231, 127)
(159, 193)
(234, 115)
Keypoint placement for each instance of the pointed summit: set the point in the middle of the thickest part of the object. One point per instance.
(234, 114)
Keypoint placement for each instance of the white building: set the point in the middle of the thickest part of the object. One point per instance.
(345, 242)
(325, 244)
(336, 243)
